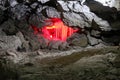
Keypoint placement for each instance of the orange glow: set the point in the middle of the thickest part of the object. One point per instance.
(56, 31)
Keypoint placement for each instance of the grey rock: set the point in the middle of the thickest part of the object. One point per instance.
(98, 23)
(80, 15)
(92, 41)
(64, 46)
(74, 19)
(52, 13)
(54, 44)
(20, 11)
(78, 40)
(34, 5)
(25, 44)
(37, 20)
(4, 3)
(43, 42)
(27, 1)
(103, 24)
(95, 33)
(63, 6)
(105, 12)
(10, 42)
(33, 41)
(13, 3)
(75, 5)
(58, 45)
(22, 24)
(40, 8)
(43, 1)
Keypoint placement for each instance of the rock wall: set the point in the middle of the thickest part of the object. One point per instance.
(95, 20)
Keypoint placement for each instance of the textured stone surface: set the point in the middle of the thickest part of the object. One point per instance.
(9, 27)
(20, 11)
(78, 40)
(10, 42)
(22, 14)
(73, 19)
(52, 13)
(25, 44)
(92, 41)
(95, 33)
(37, 21)
(43, 1)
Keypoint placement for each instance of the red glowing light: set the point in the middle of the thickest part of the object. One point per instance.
(56, 31)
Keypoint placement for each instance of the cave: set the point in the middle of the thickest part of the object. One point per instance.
(59, 39)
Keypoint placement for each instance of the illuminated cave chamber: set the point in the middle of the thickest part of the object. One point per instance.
(56, 30)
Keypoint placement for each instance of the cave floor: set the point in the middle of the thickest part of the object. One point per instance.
(91, 64)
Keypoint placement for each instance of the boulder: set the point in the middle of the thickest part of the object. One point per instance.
(20, 11)
(52, 12)
(25, 44)
(13, 3)
(78, 40)
(95, 33)
(92, 41)
(37, 20)
(10, 42)
(103, 24)
(34, 5)
(74, 19)
(54, 44)
(34, 42)
(105, 12)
